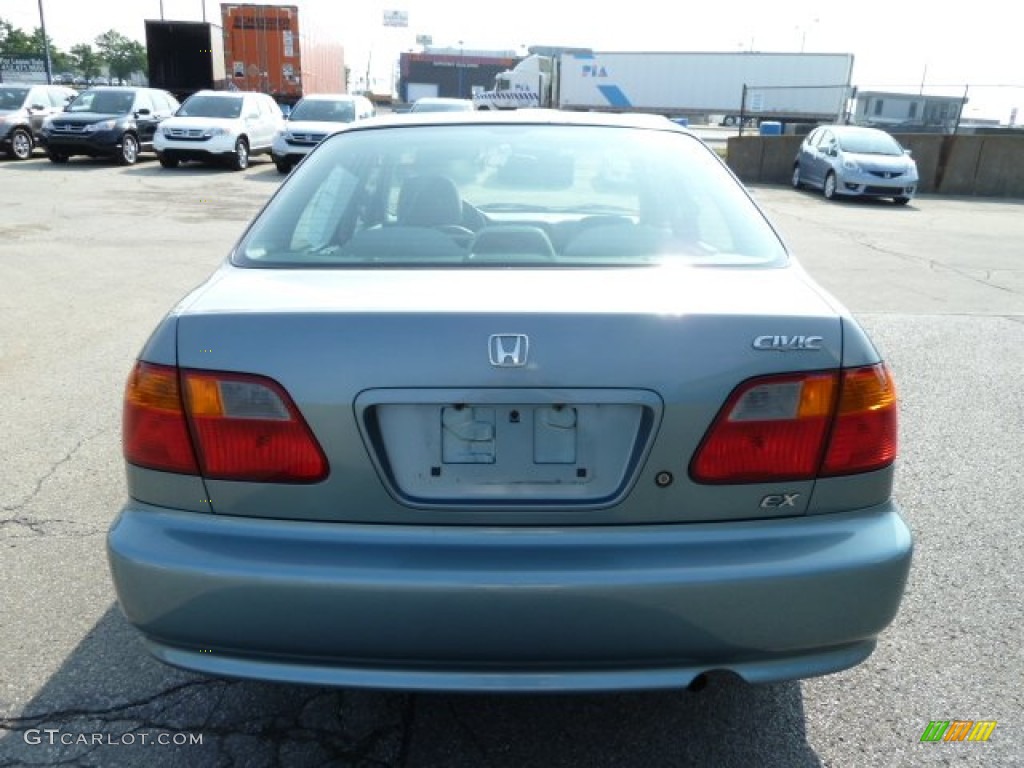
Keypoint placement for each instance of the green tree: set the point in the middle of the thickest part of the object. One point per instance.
(58, 59)
(14, 41)
(84, 60)
(122, 54)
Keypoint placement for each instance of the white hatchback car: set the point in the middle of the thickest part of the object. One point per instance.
(219, 125)
(312, 120)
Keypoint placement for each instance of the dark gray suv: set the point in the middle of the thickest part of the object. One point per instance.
(108, 122)
(23, 108)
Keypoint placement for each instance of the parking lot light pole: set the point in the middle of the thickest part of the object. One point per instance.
(459, 94)
(46, 45)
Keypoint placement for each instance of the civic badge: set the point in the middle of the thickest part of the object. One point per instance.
(508, 350)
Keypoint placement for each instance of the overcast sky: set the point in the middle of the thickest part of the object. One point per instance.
(894, 43)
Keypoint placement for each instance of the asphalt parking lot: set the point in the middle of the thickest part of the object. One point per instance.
(92, 255)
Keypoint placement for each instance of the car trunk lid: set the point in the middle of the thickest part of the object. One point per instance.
(495, 396)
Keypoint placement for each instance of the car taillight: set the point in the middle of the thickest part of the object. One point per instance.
(801, 426)
(864, 435)
(154, 428)
(225, 426)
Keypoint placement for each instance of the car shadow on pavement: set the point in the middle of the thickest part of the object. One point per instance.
(852, 200)
(259, 170)
(111, 704)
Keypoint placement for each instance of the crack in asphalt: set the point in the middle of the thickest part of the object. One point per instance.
(291, 738)
(470, 734)
(930, 263)
(936, 266)
(407, 723)
(14, 723)
(46, 476)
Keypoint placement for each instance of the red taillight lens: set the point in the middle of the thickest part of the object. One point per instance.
(864, 436)
(770, 429)
(155, 430)
(247, 428)
(244, 427)
(800, 426)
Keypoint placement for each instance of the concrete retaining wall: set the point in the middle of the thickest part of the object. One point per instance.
(986, 166)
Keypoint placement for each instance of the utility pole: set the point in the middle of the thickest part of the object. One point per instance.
(46, 45)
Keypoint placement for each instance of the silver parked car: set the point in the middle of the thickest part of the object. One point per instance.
(24, 107)
(510, 401)
(848, 160)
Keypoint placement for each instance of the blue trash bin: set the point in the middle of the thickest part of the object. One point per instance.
(771, 128)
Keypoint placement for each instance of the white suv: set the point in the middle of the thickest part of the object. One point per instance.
(219, 125)
(312, 120)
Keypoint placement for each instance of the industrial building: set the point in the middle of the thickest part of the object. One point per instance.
(450, 72)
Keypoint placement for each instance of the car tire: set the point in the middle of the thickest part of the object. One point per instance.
(282, 166)
(901, 200)
(168, 162)
(829, 187)
(795, 180)
(57, 157)
(240, 159)
(129, 153)
(21, 144)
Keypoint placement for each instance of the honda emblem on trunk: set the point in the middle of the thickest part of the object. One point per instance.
(508, 350)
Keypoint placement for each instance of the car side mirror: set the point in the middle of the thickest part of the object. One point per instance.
(142, 112)
(37, 107)
(908, 152)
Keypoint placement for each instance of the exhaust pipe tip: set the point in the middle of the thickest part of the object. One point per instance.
(698, 684)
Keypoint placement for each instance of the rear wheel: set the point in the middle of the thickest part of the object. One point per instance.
(168, 162)
(240, 160)
(129, 153)
(21, 144)
(901, 200)
(797, 183)
(57, 157)
(282, 166)
(830, 186)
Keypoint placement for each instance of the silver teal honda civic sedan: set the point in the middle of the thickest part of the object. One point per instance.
(511, 401)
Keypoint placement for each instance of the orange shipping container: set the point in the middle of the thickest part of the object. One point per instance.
(263, 52)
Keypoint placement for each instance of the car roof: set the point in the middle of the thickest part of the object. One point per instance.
(439, 100)
(121, 88)
(330, 97)
(523, 117)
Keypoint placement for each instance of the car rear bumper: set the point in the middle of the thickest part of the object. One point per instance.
(449, 608)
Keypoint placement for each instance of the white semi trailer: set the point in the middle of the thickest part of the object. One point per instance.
(787, 87)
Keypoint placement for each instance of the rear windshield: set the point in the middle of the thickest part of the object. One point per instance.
(510, 195)
(105, 102)
(12, 98)
(322, 110)
(211, 106)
